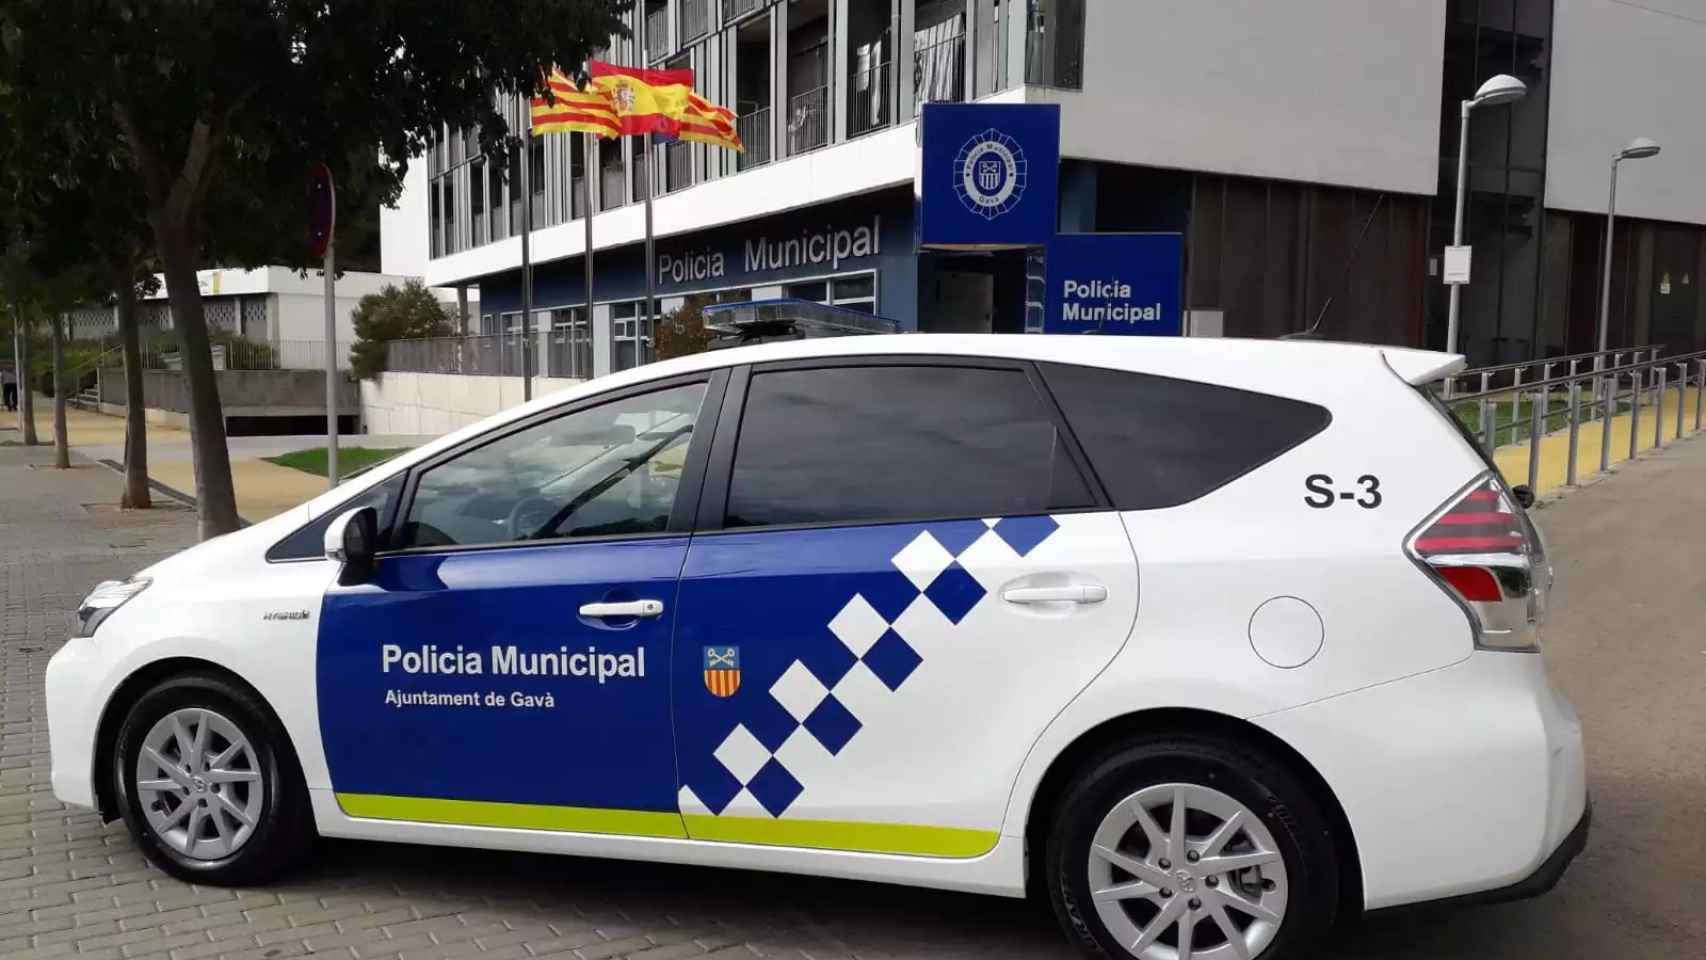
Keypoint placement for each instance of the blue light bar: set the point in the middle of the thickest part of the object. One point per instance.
(790, 317)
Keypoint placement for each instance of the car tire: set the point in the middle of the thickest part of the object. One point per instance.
(1280, 897)
(208, 784)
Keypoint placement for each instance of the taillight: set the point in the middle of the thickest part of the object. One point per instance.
(1481, 549)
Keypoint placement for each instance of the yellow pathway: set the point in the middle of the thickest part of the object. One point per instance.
(263, 489)
(1555, 447)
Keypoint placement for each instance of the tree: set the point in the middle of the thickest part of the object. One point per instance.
(223, 105)
(683, 332)
(408, 312)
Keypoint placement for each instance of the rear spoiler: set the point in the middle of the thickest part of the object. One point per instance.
(1423, 366)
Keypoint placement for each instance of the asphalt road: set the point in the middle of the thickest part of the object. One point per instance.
(1625, 643)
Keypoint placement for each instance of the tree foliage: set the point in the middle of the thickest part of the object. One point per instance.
(408, 312)
(220, 107)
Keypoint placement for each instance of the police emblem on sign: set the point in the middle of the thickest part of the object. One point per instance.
(989, 174)
(722, 670)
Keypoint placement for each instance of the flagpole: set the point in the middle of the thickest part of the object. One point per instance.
(651, 257)
(589, 161)
(527, 263)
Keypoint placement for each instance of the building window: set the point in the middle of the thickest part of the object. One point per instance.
(569, 353)
(858, 292)
(938, 53)
(1054, 45)
(477, 200)
(630, 336)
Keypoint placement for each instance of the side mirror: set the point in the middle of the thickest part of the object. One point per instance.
(351, 540)
(1524, 495)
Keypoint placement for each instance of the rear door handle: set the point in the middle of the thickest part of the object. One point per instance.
(1071, 593)
(630, 608)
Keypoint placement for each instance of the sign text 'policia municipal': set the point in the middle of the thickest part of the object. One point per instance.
(508, 660)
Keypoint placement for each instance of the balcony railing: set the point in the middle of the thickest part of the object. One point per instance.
(740, 8)
(694, 19)
(754, 130)
(868, 93)
(657, 34)
(678, 166)
(808, 120)
(939, 71)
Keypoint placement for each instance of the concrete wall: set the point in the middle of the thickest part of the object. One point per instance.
(403, 241)
(243, 393)
(1622, 70)
(1327, 91)
(436, 403)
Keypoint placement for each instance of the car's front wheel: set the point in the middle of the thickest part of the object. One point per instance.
(207, 783)
(1188, 847)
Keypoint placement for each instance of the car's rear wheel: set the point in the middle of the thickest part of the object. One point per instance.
(208, 785)
(1190, 847)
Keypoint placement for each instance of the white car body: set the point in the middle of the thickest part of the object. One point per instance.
(1405, 721)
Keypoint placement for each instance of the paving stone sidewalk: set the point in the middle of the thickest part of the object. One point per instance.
(73, 888)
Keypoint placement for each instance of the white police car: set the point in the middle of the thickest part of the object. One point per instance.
(1210, 641)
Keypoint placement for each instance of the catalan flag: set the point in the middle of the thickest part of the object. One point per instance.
(569, 109)
(706, 122)
(645, 101)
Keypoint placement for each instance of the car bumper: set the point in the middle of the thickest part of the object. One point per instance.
(74, 700)
(1459, 782)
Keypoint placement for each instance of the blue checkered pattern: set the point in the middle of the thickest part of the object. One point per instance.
(864, 632)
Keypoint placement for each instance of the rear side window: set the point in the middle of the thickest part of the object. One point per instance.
(1159, 442)
(308, 543)
(903, 442)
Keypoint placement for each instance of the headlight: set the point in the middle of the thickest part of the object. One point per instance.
(107, 596)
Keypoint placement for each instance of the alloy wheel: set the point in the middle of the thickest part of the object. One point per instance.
(199, 783)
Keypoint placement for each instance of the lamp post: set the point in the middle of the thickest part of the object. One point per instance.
(1503, 88)
(1639, 148)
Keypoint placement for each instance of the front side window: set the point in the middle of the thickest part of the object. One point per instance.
(606, 471)
(903, 442)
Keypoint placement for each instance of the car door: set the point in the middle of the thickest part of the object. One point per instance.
(902, 573)
(506, 664)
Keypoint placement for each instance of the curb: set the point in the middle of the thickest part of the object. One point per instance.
(172, 492)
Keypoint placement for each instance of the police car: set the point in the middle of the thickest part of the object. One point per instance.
(1208, 642)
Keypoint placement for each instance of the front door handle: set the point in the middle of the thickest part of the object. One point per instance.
(630, 608)
(1070, 593)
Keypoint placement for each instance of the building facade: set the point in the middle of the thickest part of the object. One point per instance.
(1306, 152)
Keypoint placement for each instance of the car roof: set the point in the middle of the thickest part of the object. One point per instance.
(1280, 366)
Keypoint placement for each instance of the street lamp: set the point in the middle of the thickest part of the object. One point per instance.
(1639, 148)
(1503, 88)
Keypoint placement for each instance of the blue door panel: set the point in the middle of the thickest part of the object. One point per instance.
(773, 595)
(603, 741)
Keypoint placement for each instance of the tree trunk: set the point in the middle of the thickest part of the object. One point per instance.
(61, 442)
(136, 493)
(26, 389)
(216, 501)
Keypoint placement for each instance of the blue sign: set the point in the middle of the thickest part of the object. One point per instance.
(1122, 283)
(989, 174)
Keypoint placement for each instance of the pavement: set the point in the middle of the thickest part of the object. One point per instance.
(263, 489)
(1624, 643)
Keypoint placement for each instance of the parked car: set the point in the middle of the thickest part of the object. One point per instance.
(1209, 642)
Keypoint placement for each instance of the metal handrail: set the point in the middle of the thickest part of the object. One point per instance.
(1606, 398)
(1502, 367)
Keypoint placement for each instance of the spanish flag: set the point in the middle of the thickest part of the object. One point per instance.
(572, 110)
(706, 122)
(646, 101)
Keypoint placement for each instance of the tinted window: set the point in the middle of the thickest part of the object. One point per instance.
(897, 442)
(310, 542)
(612, 469)
(1159, 442)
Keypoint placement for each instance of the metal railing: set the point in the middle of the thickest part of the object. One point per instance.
(612, 187)
(754, 130)
(1591, 390)
(808, 120)
(234, 354)
(939, 71)
(559, 352)
(657, 33)
(693, 19)
(740, 8)
(677, 166)
(869, 94)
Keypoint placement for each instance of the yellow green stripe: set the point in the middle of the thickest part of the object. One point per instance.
(844, 835)
(525, 816)
(901, 838)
